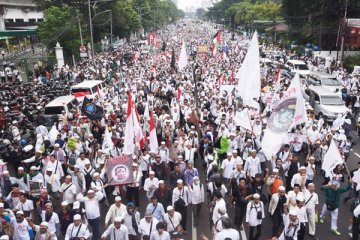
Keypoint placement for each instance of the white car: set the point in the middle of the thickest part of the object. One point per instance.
(326, 80)
(325, 102)
(298, 66)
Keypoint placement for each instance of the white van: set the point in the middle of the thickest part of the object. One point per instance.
(87, 88)
(63, 103)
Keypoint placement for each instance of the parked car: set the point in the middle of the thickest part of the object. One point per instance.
(298, 66)
(324, 79)
(325, 102)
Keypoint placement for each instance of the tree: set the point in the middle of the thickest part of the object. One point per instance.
(126, 20)
(61, 25)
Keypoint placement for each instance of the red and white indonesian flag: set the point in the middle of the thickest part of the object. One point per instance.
(153, 139)
(133, 131)
(332, 158)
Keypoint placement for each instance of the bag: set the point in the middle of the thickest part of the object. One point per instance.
(259, 215)
(180, 203)
(146, 237)
(289, 238)
(330, 206)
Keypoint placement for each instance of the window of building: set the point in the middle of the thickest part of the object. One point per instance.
(19, 20)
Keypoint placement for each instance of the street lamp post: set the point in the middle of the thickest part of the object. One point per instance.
(92, 18)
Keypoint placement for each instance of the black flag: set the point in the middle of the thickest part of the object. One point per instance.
(182, 120)
(92, 111)
(172, 62)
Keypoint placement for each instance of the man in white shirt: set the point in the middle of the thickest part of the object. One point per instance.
(51, 218)
(197, 198)
(77, 229)
(25, 205)
(56, 166)
(172, 219)
(160, 233)
(180, 200)
(52, 182)
(227, 166)
(92, 209)
(147, 225)
(131, 219)
(252, 164)
(311, 204)
(297, 178)
(21, 227)
(151, 183)
(116, 210)
(68, 190)
(227, 231)
(116, 231)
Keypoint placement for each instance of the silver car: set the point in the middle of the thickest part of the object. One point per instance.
(325, 102)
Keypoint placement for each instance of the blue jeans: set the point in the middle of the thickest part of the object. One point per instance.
(95, 224)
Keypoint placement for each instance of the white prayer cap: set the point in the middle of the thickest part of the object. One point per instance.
(302, 168)
(44, 224)
(33, 168)
(64, 203)
(234, 151)
(96, 174)
(90, 191)
(282, 188)
(179, 181)
(162, 143)
(151, 173)
(117, 199)
(161, 182)
(4, 237)
(275, 170)
(239, 162)
(20, 212)
(300, 198)
(256, 196)
(56, 145)
(253, 150)
(1, 205)
(229, 154)
(49, 169)
(76, 166)
(169, 208)
(77, 217)
(117, 219)
(20, 169)
(293, 212)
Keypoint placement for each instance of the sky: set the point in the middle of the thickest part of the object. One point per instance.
(186, 3)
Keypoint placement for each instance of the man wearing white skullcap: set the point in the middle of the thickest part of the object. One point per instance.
(172, 219)
(254, 214)
(116, 231)
(21, 226)
(180, 200)
(116, 210)
(151, 184)
(77, 229)
(276, 208)
(43, 232)
(291, 224)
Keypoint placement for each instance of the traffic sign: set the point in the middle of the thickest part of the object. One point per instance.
(82, 49)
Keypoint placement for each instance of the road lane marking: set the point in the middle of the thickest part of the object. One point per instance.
(242, 233)
(194, 232)
(356, 154)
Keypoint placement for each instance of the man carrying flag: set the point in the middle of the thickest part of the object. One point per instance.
(216, 43)
(172, 62)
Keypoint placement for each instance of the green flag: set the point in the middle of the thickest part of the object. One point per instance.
(224, 144)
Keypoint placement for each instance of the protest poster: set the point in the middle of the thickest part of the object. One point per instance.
(35, 187)
(119, 170)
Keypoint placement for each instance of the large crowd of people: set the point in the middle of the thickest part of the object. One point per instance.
(204, 159)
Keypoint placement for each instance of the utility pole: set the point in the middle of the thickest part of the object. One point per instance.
(91, 31)
(81, 38)
(343, 34)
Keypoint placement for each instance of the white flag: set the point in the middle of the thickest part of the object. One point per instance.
(249, 84)
(183, 60)
(300, 112)
(242, 119)
(332, 158)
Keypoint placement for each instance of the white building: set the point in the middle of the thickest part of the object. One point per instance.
(19, 15)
